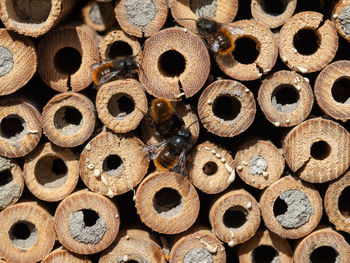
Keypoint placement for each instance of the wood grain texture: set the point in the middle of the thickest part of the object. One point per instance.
(81, 200)
(177, 216)
(326, 47)
(46, 177)
(240, 201)
(227, 108)
(328, 160)
(187, 45)
(40, 240)
(272, 193)
(113, 164)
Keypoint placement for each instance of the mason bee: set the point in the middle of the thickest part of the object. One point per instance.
(218, 36)
(119, 67)
(170, 153)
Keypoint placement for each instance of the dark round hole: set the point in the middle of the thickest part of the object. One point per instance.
(210, 168)
(118, 49)
(324, 254)
(90, 217)
(132, 261)
(58, 166)
(51, 171)
(343, 202)
(235, 217)
(23, 234)
(341, 90)
(5, 177)
(320, 150)
(21, 230)
(274, 7)
(120, 105)
(279, 207)
(265, 254)
(28, 11)
(285, 98)
(12, 127)
(167, 199)
(68, 120)
(246, 50)
(226, 107)
(112, 165)
(306, 41)
(67, 60)
(171, 63)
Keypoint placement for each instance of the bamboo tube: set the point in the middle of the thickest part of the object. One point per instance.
(340, 17)
(331, 90)
(68, 119)
(259, 163)
(62, 255)
(34, 18)
(141, 19)
(112, 164)
(228, 108)
(167, 202)
(286, 98)
(27, 232)
(265, 246)
(273, 14)
(116, 43)
(210, 168)
(86, 222)
(20, 128)
(11, 182)
(307, 42)
(222, 11)
(291, 208)
(133, 245)
(54, 68)
(317, 150)
(51, 172)
(121, 104)
(197, 245)
(175, 62)
(19, 58)
(255, 52)
(336, 203)
(185, 113)
(98, 15)
(235, 217)
(322, 244)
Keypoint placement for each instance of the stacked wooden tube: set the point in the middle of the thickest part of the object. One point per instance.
(266, 169)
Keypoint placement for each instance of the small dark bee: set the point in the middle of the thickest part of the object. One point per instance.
(164, 118)
(218, 36)
(117, 68)
(170, 155)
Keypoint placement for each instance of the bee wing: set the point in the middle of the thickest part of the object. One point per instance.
(235, 30)
(154, 149)
(105, 78)
(214, 46)
(180, 166)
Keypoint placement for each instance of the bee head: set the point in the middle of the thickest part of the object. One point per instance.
(119, 64)
(185, 134)
(130, 63)
(205, 25)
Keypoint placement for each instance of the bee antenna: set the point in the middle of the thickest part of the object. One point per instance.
(196, 121)
(179, 19)
(140, 49)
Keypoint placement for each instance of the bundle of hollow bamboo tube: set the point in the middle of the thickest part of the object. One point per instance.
(241, 105)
